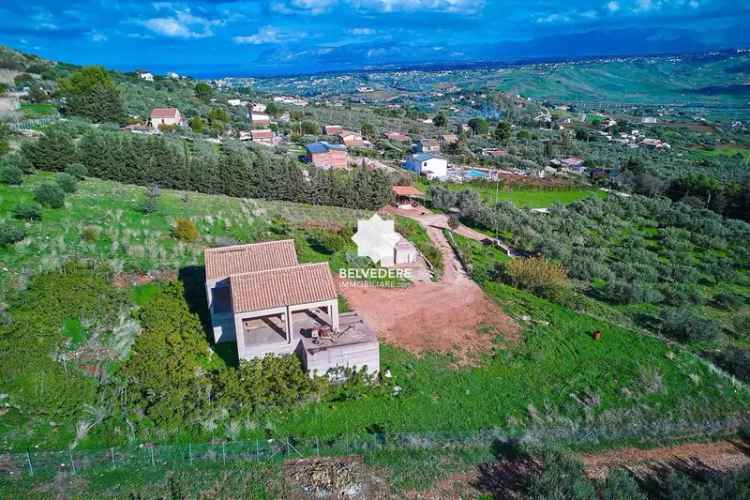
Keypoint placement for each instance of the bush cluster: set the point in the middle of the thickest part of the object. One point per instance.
(632, 250)
(185, 230)
(169, 384)
(537, 275)
(11, 232)
(50, 195)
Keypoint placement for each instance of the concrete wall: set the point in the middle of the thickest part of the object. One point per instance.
(346, 356)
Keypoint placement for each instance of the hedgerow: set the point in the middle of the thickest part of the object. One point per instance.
(233, 170)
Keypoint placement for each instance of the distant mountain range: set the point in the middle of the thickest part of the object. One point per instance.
(552, 48)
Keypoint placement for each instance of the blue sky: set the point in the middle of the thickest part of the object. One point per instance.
(213, 37)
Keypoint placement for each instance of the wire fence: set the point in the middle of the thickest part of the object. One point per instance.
(268, 450)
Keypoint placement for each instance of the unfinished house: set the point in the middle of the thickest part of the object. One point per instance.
(263, 299)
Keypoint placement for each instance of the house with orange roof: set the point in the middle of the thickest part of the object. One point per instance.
(166, 117)
(264, 300)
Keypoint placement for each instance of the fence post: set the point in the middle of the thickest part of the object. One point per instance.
(224, 452)
(257, 451)
(112, 452)
(153, 464)
(28, 459)
(317, 445)
(72, 463)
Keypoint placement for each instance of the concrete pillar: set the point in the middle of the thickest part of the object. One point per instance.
(239, 335)
(289, 325)
(333, 312)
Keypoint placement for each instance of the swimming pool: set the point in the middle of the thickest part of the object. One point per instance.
(476, 174)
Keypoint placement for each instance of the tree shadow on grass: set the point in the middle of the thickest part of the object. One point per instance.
(509, 475)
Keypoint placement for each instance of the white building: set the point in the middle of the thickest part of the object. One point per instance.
(169, 117)
(433, 167)
(377, 239)
(146, 76)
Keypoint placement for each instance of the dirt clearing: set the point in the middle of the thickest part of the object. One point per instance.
(721, 456)
(452, 315)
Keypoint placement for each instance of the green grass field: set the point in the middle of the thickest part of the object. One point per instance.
(131, 241)
(724, 151)
(554, 376)
(38, 110)
(523, 197)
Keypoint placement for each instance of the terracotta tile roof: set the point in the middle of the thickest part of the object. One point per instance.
(237, 259)
(406, 191)
(288, 286)
(164, 113)
(263, 133)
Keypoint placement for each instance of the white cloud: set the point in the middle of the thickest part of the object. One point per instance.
(567, 17)
(362, 31)
(313, 7)
(613, 6)
(182, 24)
(646, 5)
(97, 36)
(270, 35)
(319, 6)
(455, 6)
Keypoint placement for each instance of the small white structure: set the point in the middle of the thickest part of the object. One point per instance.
(149, 77)
(433, 167)
(377, 239)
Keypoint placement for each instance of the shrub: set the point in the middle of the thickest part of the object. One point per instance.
(50, 195)
(727, 300)
(90, 233)
(11, 232)
(185, 230)
(561, 477)
(735, 360)
(741, 324)
(77, 170)
(453, 221)
(685, 325)
(537, 275)
(334, 242)
(27, 211)
(66, 182)
(11, 174)
(622, 292)
(18, 161)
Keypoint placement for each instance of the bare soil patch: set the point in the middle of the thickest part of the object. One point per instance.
(720, 456)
